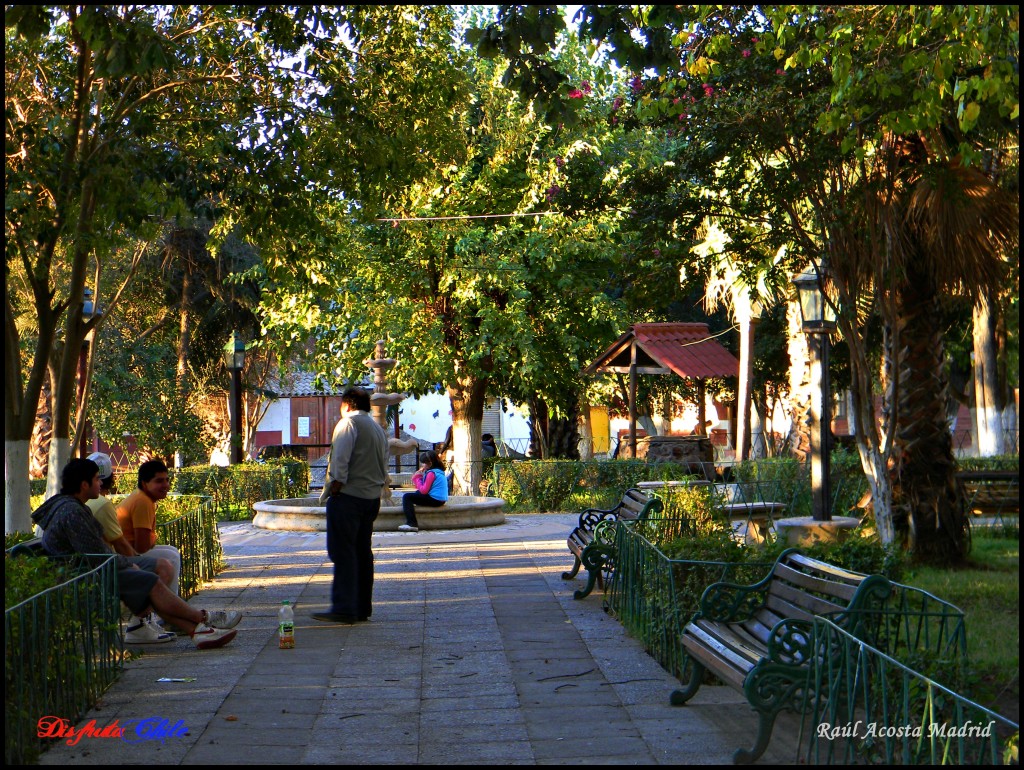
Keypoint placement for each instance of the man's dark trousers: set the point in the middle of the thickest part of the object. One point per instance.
(349, 530)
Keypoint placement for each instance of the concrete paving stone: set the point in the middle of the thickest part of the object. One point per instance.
(358, 692)
(265, 736)
(351, 708)
(236, 718)
(335, 754)
(283, 692)
(470, 687)
(494, 752)
(435, 705)
(627, 759)
(239, 702)
(596, 746)
(226, 753)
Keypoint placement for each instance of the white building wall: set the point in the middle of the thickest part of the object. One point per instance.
(279, 417)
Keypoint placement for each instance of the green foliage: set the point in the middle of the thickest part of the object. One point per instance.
(557, 485)
(785, 479)
(996, 463)
(25, 577)
(235, 488)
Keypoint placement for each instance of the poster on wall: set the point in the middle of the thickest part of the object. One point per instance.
(303, 427)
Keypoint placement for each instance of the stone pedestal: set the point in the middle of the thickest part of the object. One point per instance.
(804, 530)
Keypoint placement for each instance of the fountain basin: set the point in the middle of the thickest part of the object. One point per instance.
(308, 514)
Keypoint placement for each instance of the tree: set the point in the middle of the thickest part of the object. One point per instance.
(475, 285)
(840, 126)
(110, 109)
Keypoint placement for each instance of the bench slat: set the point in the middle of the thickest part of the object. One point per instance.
(725, 658)
(727, 636)
(814, 605)
(827, 569)
(804, 581)
(731, 676)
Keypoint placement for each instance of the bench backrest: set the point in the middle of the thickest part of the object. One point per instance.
(32, 547)
(636, 504)
(802, 587)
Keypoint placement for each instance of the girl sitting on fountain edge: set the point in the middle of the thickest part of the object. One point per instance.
(431, 490)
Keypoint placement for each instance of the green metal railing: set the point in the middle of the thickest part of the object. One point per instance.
(193, 531)
(872, 708)
(62, 649)
(654, 597)
(880, 676)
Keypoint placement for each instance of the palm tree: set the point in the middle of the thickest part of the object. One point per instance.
(945, 228)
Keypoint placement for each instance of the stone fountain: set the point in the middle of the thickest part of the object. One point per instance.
(308, 514)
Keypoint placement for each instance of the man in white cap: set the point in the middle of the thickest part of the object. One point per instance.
(164, 560)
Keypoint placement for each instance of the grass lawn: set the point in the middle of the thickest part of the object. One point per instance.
(988, 591)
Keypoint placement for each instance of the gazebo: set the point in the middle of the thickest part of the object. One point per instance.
(687, 349)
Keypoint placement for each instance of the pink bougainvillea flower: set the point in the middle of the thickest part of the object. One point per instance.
(746, 53)
(616, 102)
(656, 252)
(575, 94)
(708, 90)
(559, 162)
(585, 86)
(636, 83)
(780, 71)
(753, 40)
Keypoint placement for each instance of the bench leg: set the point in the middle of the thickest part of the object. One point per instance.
(765, 723)
(679, 697)
(592, 575)
(575, 569)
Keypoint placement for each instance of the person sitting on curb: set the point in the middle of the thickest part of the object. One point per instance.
(165, 561)
(69, 528)
(431, 490)
(136, 515)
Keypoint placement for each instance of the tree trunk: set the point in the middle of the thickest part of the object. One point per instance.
(986, 380)
(467, 396)
(927, 499)
(743, 390)
(758, 443)
(799, 406)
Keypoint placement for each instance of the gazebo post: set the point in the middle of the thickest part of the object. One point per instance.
(632, 400)
(702, 409)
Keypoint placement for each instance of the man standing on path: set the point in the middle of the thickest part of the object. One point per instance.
(356, 474)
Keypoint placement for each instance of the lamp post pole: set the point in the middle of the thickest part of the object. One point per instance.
(89, 310)
(234, 360)
(821, 420)
(819, 320)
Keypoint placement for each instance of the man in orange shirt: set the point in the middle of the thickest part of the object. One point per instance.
(136, 515)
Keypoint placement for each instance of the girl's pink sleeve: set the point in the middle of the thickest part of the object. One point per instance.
(424, 482)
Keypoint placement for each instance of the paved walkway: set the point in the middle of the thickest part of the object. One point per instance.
(476, 654)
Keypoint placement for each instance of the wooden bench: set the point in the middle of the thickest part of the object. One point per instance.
(592, 542)
(759, 638)
(991, 493)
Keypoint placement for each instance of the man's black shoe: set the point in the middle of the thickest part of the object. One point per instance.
(333, 617)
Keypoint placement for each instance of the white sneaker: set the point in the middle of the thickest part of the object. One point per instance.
(207, 638)
(407, 528)
(221, 619)
(143, 633)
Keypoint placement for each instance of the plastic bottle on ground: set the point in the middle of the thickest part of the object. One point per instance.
(286, 626)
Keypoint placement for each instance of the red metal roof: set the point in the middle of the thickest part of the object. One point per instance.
(686, 348)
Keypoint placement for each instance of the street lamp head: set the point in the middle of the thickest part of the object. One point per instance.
(816, 309)
(89, 308)
(234, 353)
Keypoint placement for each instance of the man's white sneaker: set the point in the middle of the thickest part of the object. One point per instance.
(143, 633)
(407, 528)
(207, 638)
(221, 619)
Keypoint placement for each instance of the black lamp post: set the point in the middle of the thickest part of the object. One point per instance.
(819, 320)
(89, 311)
(234, 360)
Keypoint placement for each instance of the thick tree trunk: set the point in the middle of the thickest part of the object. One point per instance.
(799, 405)
(927, 499)
(743, 391)
(467, 396)
(987, 400)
